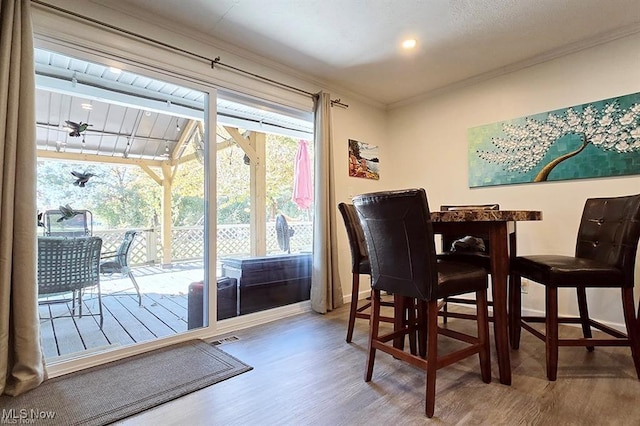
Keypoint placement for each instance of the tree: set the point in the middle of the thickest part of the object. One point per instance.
(187, 197)
(281, 154)
(610, 129)
(233, 180)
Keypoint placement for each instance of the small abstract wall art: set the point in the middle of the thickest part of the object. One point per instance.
(363, 160)
(596, 139)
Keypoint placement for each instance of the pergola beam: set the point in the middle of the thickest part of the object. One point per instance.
(245, 144)
(141, 101)
(93, 158)
(185, 136)
(151, 174)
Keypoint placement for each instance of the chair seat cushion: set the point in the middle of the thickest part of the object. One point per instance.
(110, 268)
(568, 271)
(459, 278)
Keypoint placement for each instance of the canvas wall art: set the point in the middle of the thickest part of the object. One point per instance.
(596, 139)
(363, 160)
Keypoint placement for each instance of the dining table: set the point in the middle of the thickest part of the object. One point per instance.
(499, 227)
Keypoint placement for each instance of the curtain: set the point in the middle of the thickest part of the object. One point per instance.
(21, 358)
(326, 291)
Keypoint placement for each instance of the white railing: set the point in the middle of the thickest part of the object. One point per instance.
(188, 242)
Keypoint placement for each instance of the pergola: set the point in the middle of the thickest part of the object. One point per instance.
(138, 121)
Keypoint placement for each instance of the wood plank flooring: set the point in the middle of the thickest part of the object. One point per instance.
(125, 323)
(163, 312)
(306, 374)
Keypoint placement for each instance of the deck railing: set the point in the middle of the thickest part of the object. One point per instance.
(188, 242)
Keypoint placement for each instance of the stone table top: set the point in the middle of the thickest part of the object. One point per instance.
(485, 215)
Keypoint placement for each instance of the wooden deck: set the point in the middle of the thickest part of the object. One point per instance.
(163, 313)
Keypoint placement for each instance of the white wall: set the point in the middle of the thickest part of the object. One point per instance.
(363, 123)
(430, 150)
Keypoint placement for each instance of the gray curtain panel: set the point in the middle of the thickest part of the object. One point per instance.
(21, 358)
(326, 291)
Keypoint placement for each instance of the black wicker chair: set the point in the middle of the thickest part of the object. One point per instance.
(69, 265)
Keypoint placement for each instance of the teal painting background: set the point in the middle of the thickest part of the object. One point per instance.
(591, 162)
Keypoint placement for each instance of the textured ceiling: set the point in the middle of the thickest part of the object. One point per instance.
(354, 44)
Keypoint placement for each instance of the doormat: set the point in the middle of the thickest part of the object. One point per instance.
(110, 392)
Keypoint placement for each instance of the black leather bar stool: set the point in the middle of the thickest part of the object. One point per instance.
(605, 257)
(359, 266)
(400, 241)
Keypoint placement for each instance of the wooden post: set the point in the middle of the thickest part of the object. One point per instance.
(258, 199)
(152, 245)
(255, 148)
(166, 215)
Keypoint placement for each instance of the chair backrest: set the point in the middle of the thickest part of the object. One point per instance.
(449, 239)
(67, 264)
(609, 232)
(57, 225)
(399, 235)
(357, 243)
(122, 254)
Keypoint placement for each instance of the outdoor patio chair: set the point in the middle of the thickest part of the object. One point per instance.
(78, 224)
(69, 265)
(119, 263)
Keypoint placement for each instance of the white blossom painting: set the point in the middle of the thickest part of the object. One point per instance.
(593, 140)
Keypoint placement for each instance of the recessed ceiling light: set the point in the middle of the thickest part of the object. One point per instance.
(87, 106)
(409, 43)
(115, 70)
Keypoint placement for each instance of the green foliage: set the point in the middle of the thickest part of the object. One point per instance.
(281, 155)
(125, 196)
(233, 181)
(232, 186)
(121, 196)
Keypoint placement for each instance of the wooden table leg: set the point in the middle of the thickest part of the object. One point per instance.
(499, 274)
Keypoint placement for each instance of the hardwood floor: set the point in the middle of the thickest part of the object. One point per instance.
(125, 323)
(306, 374)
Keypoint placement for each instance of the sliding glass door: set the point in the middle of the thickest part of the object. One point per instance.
(265, 204)
(121, 157)
(136, 162)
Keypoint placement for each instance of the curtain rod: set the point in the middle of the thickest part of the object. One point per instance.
(213, 62)
(340, 104)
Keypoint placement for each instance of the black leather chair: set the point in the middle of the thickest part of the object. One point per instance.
(605, 257)
(359, 265)
(476, 254)
(400, 241)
